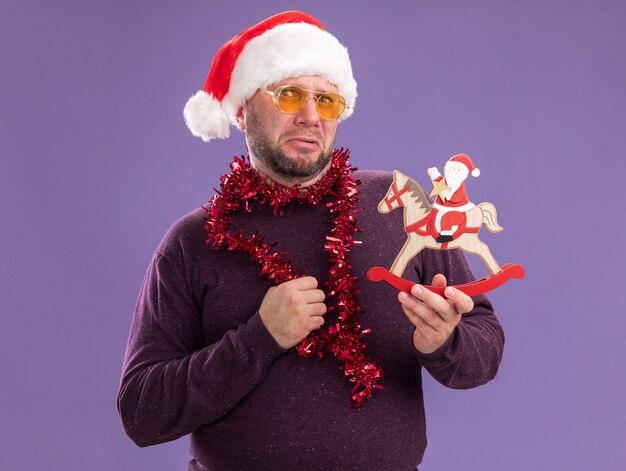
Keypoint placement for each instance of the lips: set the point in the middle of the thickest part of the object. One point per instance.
(308, 140)
(304, 141)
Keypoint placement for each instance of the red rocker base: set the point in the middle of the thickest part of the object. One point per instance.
(508, 271)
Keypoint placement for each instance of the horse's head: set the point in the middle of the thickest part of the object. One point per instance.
(393, 198)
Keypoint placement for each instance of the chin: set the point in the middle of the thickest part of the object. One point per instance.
(304, 156)
(302, 166)
(302, 152)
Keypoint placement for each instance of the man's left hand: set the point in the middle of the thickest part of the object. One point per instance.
(434, 316)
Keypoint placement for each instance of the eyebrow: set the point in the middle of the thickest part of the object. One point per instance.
(303, 88)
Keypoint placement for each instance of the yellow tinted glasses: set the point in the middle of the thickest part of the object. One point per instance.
(291, 98)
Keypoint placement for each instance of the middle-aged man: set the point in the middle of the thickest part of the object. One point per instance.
(256, 330)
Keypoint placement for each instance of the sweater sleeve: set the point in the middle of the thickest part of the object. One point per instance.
(171, 385)
(472, 354)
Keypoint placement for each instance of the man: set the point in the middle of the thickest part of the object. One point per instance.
(226, 337)
(452, 203)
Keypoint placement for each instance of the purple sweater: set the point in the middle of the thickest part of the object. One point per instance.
(199, 359)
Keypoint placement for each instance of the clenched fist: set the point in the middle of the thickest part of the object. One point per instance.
(291, 310)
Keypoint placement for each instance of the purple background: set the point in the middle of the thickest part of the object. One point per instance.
(96, 163)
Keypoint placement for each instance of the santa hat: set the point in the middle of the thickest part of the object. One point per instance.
(465, 161)
(289, 44)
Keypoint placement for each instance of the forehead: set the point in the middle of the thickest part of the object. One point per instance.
(310, 82)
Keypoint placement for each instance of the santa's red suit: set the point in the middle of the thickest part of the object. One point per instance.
(451, 212)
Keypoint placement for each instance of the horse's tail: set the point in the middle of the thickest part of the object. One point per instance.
(490, 217)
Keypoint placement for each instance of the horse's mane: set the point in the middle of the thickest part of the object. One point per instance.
(418, 194)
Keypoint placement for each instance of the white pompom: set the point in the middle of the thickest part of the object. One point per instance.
(206, 118)
(475, 172)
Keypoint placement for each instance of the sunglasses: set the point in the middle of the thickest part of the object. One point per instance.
(291, 99)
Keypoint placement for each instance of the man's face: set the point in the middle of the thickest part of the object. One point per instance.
(289, 147)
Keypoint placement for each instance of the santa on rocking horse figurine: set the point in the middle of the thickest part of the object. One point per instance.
(452, 202)
(451, 221)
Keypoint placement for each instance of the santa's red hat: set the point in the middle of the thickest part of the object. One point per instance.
(466, 161)
(289, 44)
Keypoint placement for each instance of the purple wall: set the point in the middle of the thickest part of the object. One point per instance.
(96, 163)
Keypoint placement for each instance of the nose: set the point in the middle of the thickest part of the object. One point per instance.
(308, 115)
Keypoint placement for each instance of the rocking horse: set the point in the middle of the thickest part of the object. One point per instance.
(419, 224)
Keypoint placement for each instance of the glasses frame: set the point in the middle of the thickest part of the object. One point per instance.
(316, 94)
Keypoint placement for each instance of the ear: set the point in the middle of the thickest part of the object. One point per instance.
(240, 117)
(399, 177)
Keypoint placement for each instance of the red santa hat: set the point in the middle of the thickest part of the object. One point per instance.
(289, 44)
(465, 161)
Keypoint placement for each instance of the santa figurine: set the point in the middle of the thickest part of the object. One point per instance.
(452, 202)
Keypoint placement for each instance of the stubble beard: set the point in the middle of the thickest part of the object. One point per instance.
(273, 158)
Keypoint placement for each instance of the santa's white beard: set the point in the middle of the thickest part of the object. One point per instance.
(454, 183)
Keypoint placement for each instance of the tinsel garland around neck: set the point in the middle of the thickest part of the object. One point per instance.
(344, 339)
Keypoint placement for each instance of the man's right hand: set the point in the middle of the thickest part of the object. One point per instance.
(291, 310)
